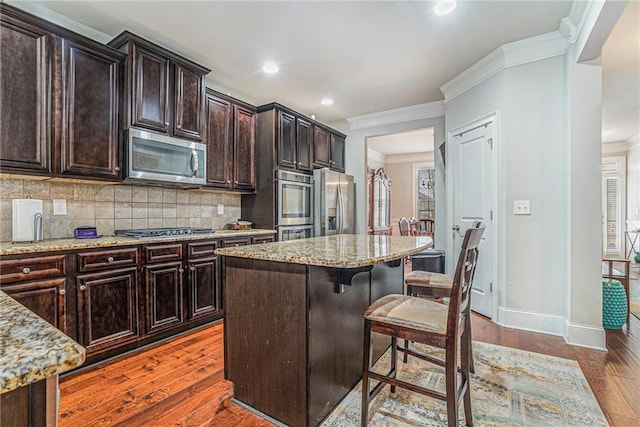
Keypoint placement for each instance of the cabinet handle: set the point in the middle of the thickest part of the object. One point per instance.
(117, 168)
(83, 287)
(110, 259)
(229, 181)
(192, 268)
(299, 163)
(179, 126)
(166, 123)
(26, 270)
(62, 292)
(181, 270)
(236, 182)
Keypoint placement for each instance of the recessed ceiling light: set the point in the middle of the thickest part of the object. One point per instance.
(270, 68)
(444, 7)
(326, 101)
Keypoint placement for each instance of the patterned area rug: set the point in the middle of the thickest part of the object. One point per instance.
(510, 388)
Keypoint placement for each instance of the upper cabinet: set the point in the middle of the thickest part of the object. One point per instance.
(294, 142)
(231, 143)
(60, 100)
(328, 149)
(165, 92)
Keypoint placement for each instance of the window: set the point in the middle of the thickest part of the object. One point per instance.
(426, 193)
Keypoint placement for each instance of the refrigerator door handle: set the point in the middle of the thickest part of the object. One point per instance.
(339, 211)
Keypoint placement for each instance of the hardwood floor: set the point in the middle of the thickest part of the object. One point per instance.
(181, 382)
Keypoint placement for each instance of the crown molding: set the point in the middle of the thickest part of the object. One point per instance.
(426, 157)
(376, 155)
(509, 55)
(397, 115)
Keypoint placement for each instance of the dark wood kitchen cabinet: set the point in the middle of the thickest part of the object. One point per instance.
(89, 143)
(59, 101)
(107, 299)
(26, 64)
(165, 92)
(328, 149)
(204, 296)
(294, 142)
(38, 283)
(230, 139)
(163, 287)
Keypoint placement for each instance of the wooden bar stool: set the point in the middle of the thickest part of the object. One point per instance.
(428, 322)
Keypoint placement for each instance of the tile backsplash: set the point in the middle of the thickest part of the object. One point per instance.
(119, 206)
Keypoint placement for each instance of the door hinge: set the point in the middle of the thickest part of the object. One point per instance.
(490, 286)
(491, 215)
(490, 141)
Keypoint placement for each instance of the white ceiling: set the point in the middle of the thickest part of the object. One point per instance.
(368, 56)
(417, 141)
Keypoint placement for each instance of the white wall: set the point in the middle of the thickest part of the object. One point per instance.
(633, 183)
(542, 160)
(356, 165)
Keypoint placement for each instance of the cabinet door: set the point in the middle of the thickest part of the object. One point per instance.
(189, 103)
(90, 137)
(321, 148)
(337, 153)
(244, 158)
(107, 309)
(286, 140)
(304, 136)
(219, 140)
(44, 297)
(204, 296)
(25, 98)
(163, 295)
(150, 106)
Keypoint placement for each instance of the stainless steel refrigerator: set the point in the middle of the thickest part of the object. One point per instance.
(335, 203)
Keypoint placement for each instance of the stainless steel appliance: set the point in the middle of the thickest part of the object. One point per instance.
(295, 232)
(294, 199)
(26, 220)
(154, 158)
(143, 233)
(335, 207)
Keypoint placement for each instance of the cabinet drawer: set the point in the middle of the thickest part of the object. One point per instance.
(14, 270)
(201, 249)
(162, 253)
(262, 239)
(230, 243)
(97, 260)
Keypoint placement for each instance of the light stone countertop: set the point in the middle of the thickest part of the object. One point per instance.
(30, 348)
(8, 248)
(341, 251)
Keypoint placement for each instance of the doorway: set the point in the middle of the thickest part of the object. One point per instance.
(473, 194)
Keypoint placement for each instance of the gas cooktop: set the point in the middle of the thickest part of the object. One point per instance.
(161, 232)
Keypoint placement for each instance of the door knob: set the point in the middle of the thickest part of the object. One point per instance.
(456, 228)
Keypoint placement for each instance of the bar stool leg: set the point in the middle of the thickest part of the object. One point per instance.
(365, 375)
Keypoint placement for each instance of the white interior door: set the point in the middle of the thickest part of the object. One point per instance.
(473, 201)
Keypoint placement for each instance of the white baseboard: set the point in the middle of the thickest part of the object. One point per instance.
(574, 334)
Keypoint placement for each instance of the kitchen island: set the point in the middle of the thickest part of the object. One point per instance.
(293, 318)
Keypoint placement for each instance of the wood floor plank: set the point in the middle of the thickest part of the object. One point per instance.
(181, 382)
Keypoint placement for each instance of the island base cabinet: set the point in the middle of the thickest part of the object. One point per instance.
(107, 309)
(34, 405)
(294, 336)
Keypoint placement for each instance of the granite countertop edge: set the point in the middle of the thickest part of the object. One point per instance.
(32, 349)
(288, 252)
(8, 248)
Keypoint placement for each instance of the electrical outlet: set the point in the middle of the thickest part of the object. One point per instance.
(59, 207)
(220, 209)
(522, 207)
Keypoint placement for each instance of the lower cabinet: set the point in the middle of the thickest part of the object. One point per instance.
(163, 296)
(203, 287)
(43, 297)
(107, 309)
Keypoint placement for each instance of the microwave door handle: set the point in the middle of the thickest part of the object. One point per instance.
(194, 162)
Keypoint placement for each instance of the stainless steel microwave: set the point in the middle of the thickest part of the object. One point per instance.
(154, 158)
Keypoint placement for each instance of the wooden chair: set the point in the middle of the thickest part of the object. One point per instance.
(437, 285)
(428, 322)
(403, 225)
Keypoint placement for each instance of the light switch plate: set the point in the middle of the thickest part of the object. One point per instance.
(59, 207)
(522, 207)
(220, 209)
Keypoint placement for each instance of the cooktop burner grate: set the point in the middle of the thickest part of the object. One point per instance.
(161, 232)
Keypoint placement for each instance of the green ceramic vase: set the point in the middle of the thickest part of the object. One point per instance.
(614, 304)
(636, 258)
